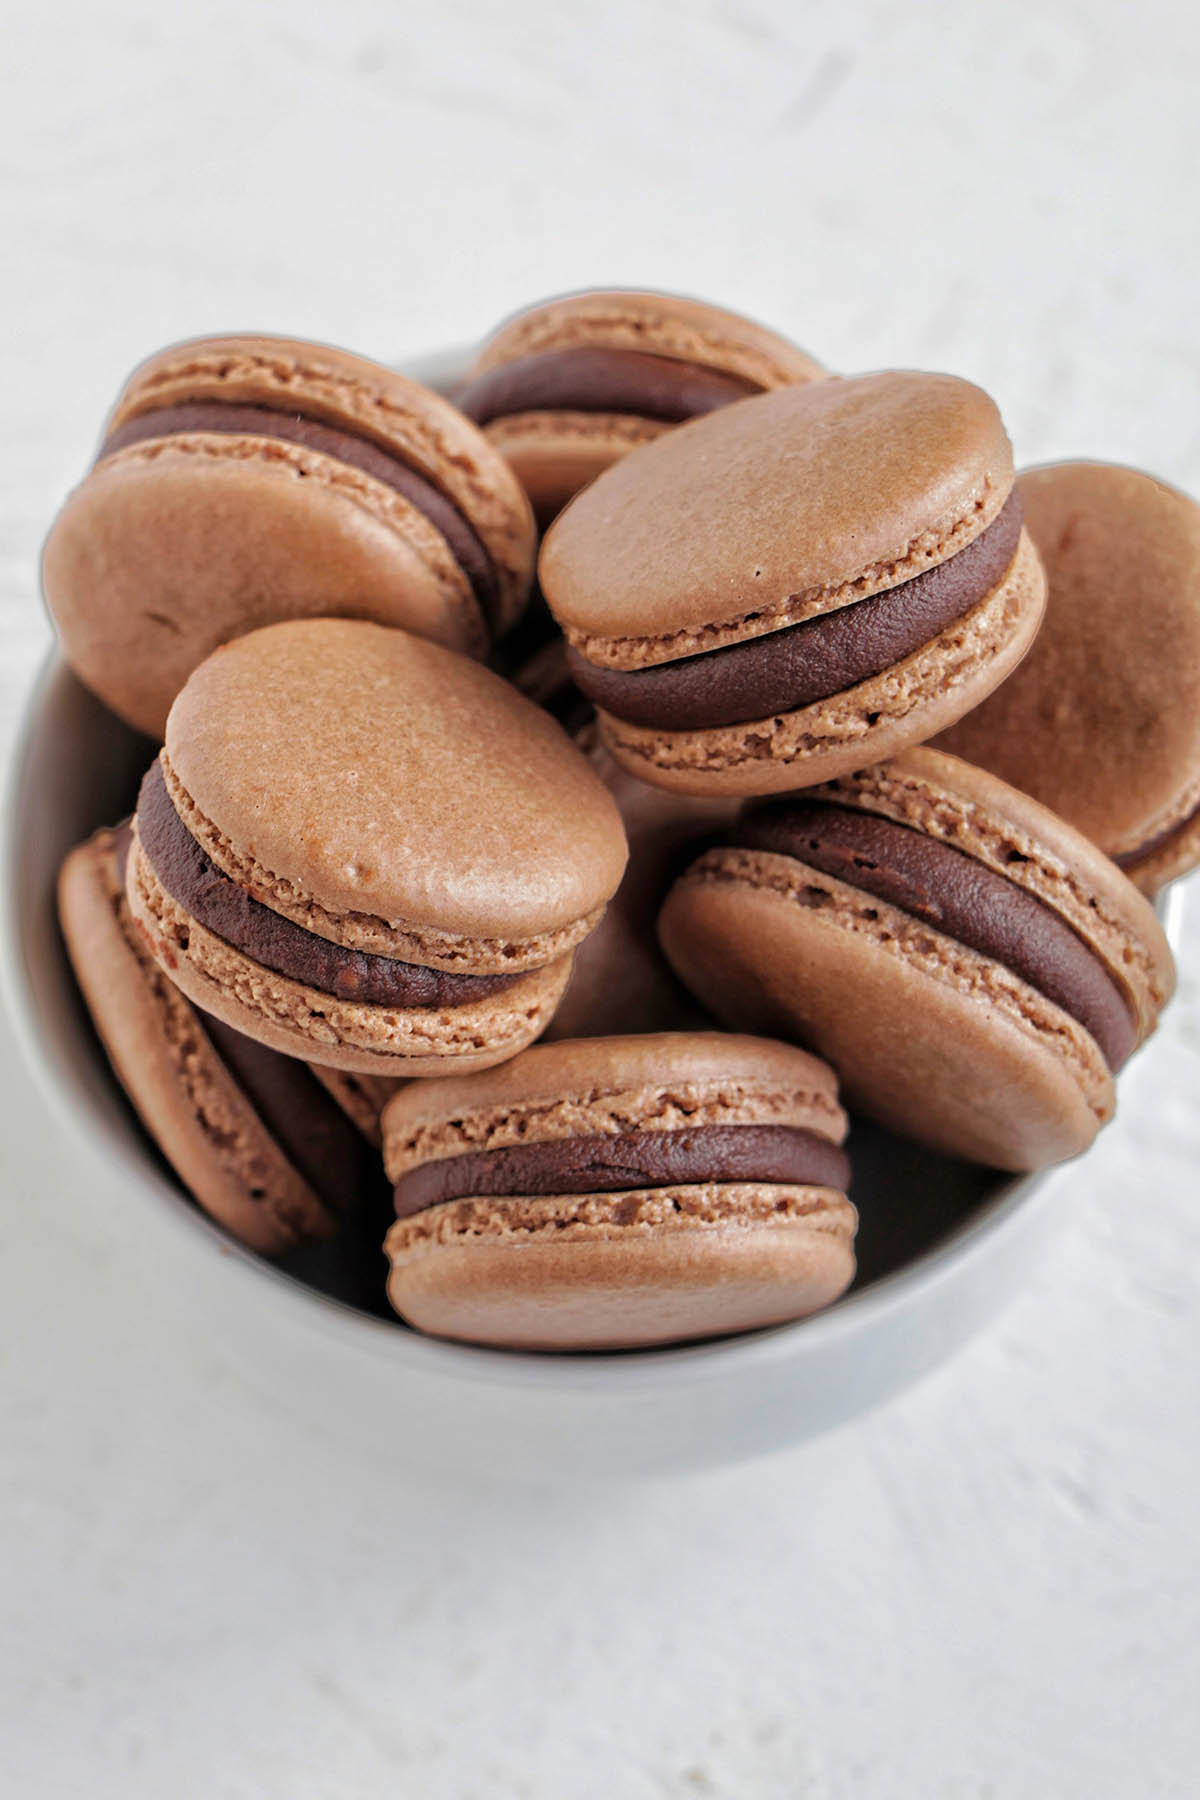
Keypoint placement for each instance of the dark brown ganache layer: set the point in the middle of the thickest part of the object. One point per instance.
(794, 667)
(590, 379)
(231, 913)
(958, 896)
(345, 446)
(630, 1160)
(309, 1127)
(307, 1124)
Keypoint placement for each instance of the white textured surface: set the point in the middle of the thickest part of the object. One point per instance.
(987, 1590)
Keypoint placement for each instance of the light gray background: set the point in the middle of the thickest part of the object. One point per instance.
(988, 1589)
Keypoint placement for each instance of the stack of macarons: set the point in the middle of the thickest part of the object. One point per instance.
(827, 761)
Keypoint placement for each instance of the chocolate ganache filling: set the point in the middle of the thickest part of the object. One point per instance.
(310, 1128)
(630, 1160)
(594, 380)
(803, 663)
(231, 913)
(346, 447)
(958, 896)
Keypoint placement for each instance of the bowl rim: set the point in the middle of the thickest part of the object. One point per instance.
(903, 1289)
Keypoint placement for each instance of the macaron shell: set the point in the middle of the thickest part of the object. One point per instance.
(173, 547)
(555, 454)
(772, 510)
(664, 1081)
(1175, 856)
(301, 1021)
(564, 1284)
(348, 391)
(186, 1098)
(1015, 835)
(904, 705)
(390, 795)
(662, 324)
(1102, 722)
(928, 1037)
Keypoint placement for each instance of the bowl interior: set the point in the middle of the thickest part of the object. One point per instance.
(79, 769)
(941, 1243)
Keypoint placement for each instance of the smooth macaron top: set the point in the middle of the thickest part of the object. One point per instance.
(774, 510)
(361, 779)
(664, 1081)
(654, 324)
(1102, 719)
(355, 395)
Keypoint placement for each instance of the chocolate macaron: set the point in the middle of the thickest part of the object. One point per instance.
(243, 480)
(798, 584)
(1102, 719)
(254, 1136)
(606, 1193)
(362, 849)
(974, 968)
(567, 388)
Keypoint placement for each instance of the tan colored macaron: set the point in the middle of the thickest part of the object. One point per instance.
(608, 1193)
(243, 480)
(797, 585)
(252, 1135)
(360, 848)
(974, 968)
(1102, 719)
(565, 389)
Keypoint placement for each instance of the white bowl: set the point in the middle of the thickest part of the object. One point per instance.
(942, 1244)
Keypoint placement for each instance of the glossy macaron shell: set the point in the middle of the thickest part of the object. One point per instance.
(833, 510)
(254, 1136)
(568, 387)
(943, 1040)
(247, 479)
(668, 1196)
(1101, 721)
(361, 847)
